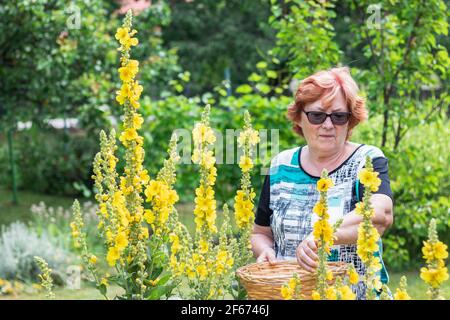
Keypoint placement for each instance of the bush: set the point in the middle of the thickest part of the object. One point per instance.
(49, 161)
(18, 246)
(420, 182)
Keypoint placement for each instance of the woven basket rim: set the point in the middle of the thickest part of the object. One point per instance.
(256, 270)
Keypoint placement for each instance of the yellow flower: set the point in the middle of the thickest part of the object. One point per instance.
(324, 184)
(315, 295)
(292, 283)
(121, 240)
(173, 237)
(104, 281)
(137, 121)
(203, 134)
(431, 251)
(253, 137)
(329, 275)
(112, 256)
(152, 189)
(122, 35)
(128, 135)
(202, 271)
(353, 276)
(320, 209)
(369, 179)
(126, 74)
(401, 295)
(203, 246)
(131, 42)
(331, 293)
(93, 259)
(346, 293)
(245, 163)
(144, 233)
(434, 277)
(286, 293)
(359, 209)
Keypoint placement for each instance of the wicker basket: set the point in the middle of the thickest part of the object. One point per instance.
(264, 281)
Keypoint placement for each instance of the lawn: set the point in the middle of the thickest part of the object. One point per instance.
(10, 213)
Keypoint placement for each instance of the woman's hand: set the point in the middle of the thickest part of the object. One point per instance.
(267, 255)
(307, 254)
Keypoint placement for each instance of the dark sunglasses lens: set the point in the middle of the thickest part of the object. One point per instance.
(340, 117)
(316, 117)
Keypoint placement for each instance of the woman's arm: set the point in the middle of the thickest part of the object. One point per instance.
(347, 233)
(262, 244)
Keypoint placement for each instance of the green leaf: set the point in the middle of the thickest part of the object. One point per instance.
(261, 65)
(254, 77)
(244, 89)
(271, 74)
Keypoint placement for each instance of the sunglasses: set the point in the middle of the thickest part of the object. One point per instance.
(318, 117)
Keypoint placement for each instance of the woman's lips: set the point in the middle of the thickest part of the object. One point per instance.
(326, 136)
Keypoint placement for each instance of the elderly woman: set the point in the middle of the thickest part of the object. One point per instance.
(326, 109)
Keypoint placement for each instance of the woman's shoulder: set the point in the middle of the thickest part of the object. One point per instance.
(287, 157)
(369, 150)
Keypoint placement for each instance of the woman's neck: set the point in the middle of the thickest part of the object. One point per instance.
(327, 160)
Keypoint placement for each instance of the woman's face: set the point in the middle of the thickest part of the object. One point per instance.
(327, 136)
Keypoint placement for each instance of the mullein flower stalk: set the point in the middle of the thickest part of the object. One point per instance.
(402, 293)
(203, 261)
(46, 277)
(132, 243)
(80, 242)
(244, 199)
(435, 273)
(123, 220)
(368, 236)
(323, 235)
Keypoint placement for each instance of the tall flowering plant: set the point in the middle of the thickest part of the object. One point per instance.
(434, 253)
(244, 200)
(323, 235)
(206, 262)
(368, 236)
(124, 221)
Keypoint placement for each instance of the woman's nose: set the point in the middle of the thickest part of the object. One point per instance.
(327, 123)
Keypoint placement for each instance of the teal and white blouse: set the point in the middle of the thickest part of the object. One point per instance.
(289, 194)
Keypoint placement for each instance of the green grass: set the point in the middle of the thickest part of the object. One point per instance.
(10, 212)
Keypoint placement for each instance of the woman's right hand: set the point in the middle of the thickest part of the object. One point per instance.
(267, 255)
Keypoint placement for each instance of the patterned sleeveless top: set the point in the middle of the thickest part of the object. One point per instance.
(293, 195)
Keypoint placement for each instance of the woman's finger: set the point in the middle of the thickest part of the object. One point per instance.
(311, 254)
(305, 260)
(311, 244)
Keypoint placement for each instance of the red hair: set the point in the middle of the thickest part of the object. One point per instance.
(324, 86)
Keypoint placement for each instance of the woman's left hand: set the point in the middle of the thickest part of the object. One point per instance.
(307, 254)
